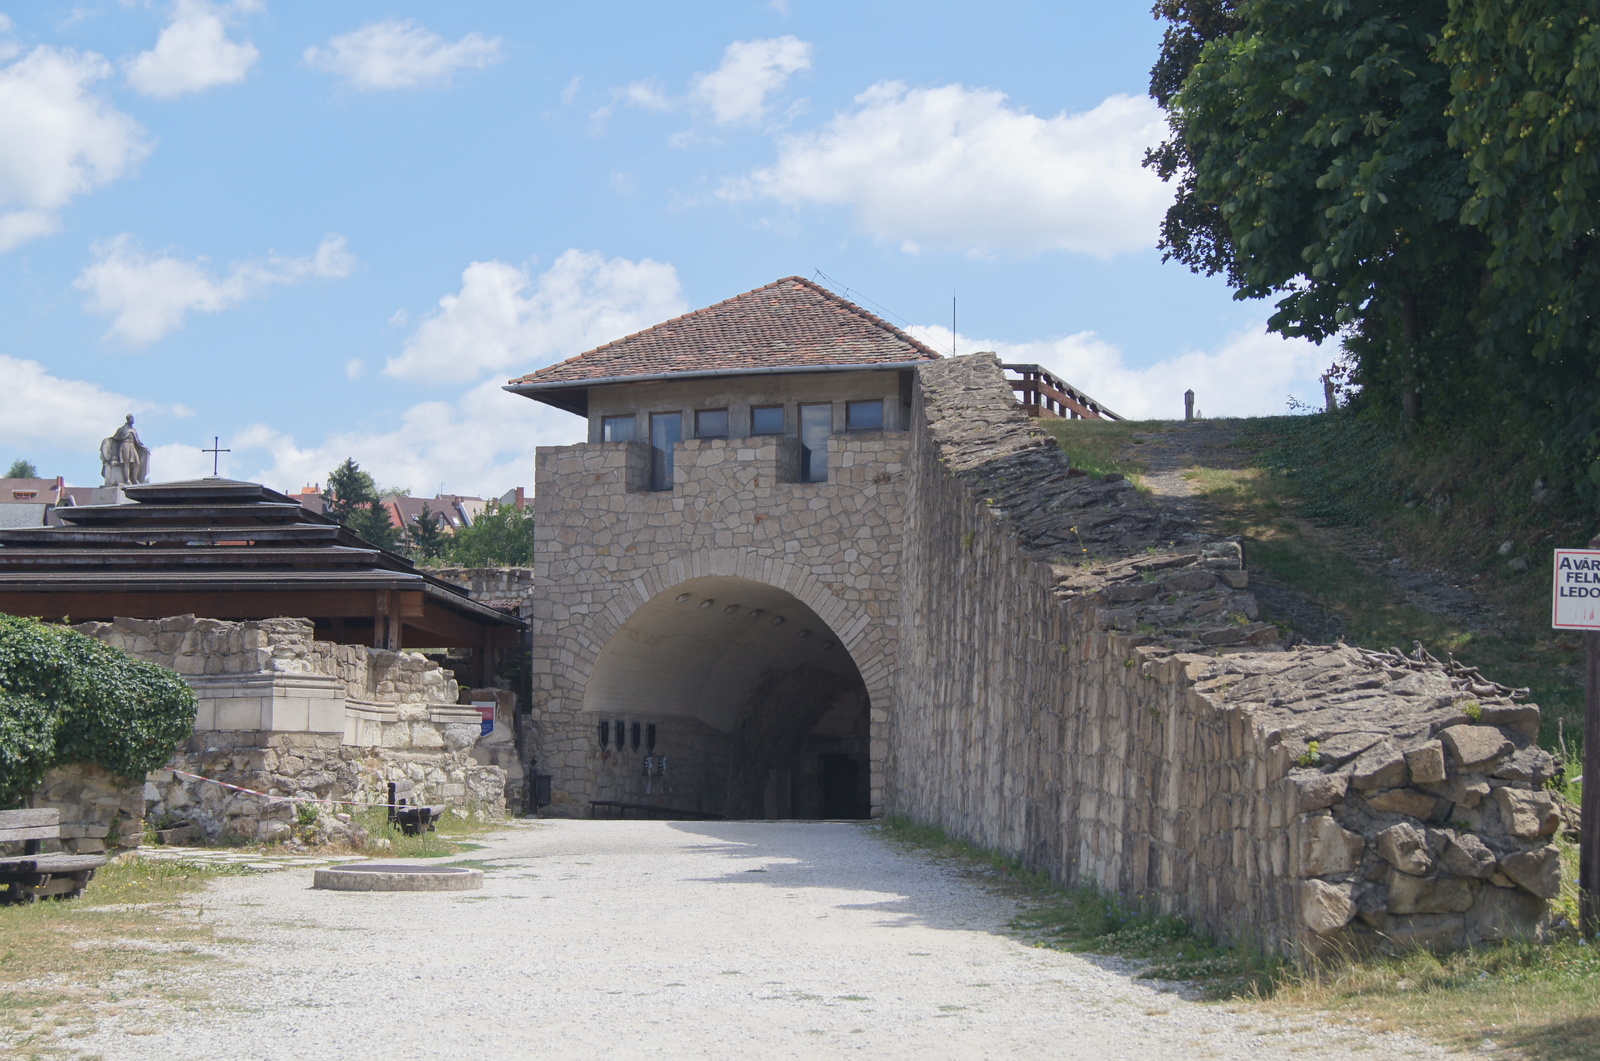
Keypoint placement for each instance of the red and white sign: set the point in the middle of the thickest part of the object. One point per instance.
(1575, 600)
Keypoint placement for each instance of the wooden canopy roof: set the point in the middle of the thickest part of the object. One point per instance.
(226, 549)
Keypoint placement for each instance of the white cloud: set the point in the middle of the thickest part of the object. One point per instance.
(399, 53)
(59, 139)
(148, 297)
(482, 443)
(956, 167)
(1251, 373)
(46, 410)
(505, 318)
(736, 92)
(175, 461)
(193, 52)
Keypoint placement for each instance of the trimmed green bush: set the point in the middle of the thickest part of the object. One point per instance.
(68, 698)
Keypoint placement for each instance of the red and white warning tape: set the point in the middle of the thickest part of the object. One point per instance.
(286, 799)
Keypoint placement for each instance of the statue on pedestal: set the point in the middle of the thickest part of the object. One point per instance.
(124, 460)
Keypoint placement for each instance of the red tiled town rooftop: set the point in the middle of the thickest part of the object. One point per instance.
(790, 323)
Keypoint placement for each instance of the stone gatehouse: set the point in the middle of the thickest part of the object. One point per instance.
(718, 565)
(824, 573)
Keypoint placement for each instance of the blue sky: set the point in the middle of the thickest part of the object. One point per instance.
(331, 230)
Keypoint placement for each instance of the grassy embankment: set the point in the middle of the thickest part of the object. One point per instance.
(1316, 487)
(1528, 1000)
(64, 966)
(1321, 501)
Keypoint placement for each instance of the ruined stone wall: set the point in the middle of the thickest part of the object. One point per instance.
(311, 765)
(1087, 686)
(605, 546)
(285, 714)
(199, 647)
(100, 812)
(492, 583)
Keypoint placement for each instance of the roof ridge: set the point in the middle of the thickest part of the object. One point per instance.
(653, 327)
(791, 315)
(871, 317)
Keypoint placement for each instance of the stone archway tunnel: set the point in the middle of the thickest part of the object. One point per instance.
(751, 699)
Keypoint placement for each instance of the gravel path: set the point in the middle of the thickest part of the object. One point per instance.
(678, 940)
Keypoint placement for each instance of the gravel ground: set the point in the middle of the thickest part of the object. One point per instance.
(679, 940)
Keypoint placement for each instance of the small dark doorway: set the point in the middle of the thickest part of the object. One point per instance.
(841, 786)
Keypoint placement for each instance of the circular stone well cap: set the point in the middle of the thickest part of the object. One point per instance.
(375, 877)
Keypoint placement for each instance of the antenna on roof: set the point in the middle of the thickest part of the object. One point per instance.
(847, 292)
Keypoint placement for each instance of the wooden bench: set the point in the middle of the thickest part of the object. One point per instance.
(31, 876)
(413, 819)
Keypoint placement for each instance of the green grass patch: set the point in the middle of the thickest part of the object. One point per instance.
(1531, 1000)
(65, 964)
(1440, 501)
(1101, 447)
(1086, 920)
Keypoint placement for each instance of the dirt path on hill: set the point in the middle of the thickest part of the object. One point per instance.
(1168, 454)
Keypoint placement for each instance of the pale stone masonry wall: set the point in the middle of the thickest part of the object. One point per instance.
(605, 546)
(1086, 686)
(282, 713)
(492, 583)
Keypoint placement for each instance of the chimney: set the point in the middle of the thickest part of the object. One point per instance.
(521, 500)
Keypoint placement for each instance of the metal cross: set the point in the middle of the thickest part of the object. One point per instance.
(216, 454)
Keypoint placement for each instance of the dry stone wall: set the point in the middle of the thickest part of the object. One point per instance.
(1088, 686)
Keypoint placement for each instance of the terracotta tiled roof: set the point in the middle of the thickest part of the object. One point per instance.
(788, 323)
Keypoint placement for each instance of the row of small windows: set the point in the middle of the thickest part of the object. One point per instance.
(816, 424)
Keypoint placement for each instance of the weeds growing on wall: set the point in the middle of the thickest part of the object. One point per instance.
(68, 698)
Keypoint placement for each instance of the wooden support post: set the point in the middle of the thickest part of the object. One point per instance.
(1589, 838)
(385, 623)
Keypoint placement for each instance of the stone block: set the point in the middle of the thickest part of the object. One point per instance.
(1404, 846)
(1424, 931)
(1426, 762)
(1380, 766)
(1475, 746)
(1407, 801)
(1531, 764)
(1521, 719)
(1505, 913)
(1326, 907)
(1526, 814)
(1440, 894)
(1467, 856)
(1327, 848)
(1466, 791)
(1538, 871)
(1191, 580)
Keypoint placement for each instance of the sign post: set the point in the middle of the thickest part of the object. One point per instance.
(1575, 605)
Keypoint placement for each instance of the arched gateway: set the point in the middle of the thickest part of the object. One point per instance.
(753, 703)
(719, 564)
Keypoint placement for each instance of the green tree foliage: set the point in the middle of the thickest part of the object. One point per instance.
(1416, 178)
(426, 539)
(1193, 231)
(501, 536)
(22, 469)
(352, 498)
(1525, 110)
(67, 698)
(1318, 131)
